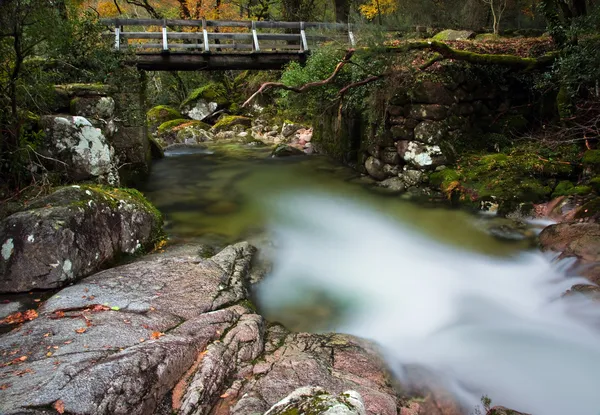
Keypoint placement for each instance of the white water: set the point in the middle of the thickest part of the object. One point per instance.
(483, 325)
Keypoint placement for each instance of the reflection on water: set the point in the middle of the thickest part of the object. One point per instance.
(223, 193)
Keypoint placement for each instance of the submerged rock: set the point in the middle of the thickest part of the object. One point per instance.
(284, 150)
(79, 149)
(71, 233)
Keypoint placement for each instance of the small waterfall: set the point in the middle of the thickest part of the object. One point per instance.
(483, 325)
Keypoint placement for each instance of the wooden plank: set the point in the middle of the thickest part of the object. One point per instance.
(199, 35)
(245, 36)
(158, 35)
(215, 61)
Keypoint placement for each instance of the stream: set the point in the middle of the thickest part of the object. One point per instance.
(223, 193)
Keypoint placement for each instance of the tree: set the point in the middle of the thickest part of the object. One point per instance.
(378, 8)
(497, 8)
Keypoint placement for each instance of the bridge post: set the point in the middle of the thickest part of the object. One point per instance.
(303, 38)
(255, 37)
(205, 33)
(351, 35)
(164, 36)
(117, 35)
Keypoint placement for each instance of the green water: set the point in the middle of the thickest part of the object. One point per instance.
(224, 194)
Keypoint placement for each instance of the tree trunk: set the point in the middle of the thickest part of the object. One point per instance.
(342, 10)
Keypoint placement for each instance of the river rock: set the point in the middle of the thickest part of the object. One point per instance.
(71, 233)
(119, 340)
(580, 240)
(395, 184)
(284, 150)
(389, 155)
(288, 129)
(311, 399)
(375, 168)
(422, 155)
(175, 330)
(79, 148)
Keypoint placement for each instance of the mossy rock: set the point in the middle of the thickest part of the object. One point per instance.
(84, 90)
(454, 35)
(563, 188)
(595, 184)
(591, 158)
(486, 37)
(228, 121)
(512, 123)
(443, 179)
(167, 132)
(211, 92)
(161, 114)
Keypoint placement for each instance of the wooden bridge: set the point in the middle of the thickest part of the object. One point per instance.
(176, 45)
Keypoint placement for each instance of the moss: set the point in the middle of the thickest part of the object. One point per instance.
(563, 188)
(79, 89)
(444, 178)
(581, 190)
(73, 106)
(595, 184)
(591, 158)
(169, 125)
(210, 92)
(228, 121)
(161, 114)
(512, 123)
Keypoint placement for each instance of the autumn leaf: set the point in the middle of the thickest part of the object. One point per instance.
(59, 406)
(4, 386)
(20, 317)
(157, 334)
(81, 330)
(98, 307)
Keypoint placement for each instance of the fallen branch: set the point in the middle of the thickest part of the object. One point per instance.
(443, 51)
(310, 85)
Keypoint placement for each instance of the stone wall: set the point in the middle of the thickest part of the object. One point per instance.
(121, 117)
(428, 125)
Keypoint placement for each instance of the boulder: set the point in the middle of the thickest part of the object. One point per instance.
(580, 240)
(450, 34)
(93, 108)
(174, 333)
(375, 168)
(389, 155)
(289, 128)
(428, 112)
(168, 132)
(79, 149)
(161, 114)
(119, 340)
(72, 233)
(227, 122)
(394, 184)
(431, 132)
(422, 155)
(205, 101)
(194, 134)
(429, 92)
(313, 399)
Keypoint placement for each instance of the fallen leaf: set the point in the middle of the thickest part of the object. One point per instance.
(37, 300)
(142, 340)
(69, 342)
(22, 358)
(81, 330)
(47, 334)
(4, 386)
(157, 334)
(49, 354)
(59, 406)
(20, 317)
(59, 314)
(115, 308)
(88, 323)
(98, 307)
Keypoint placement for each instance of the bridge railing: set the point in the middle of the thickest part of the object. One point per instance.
(206, 35)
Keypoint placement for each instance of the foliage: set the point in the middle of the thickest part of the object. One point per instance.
(377, 8)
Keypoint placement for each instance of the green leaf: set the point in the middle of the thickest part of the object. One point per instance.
(115, 308)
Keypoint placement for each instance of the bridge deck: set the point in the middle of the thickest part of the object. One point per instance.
(203, 44)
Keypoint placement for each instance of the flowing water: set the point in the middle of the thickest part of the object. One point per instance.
(428, 284)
